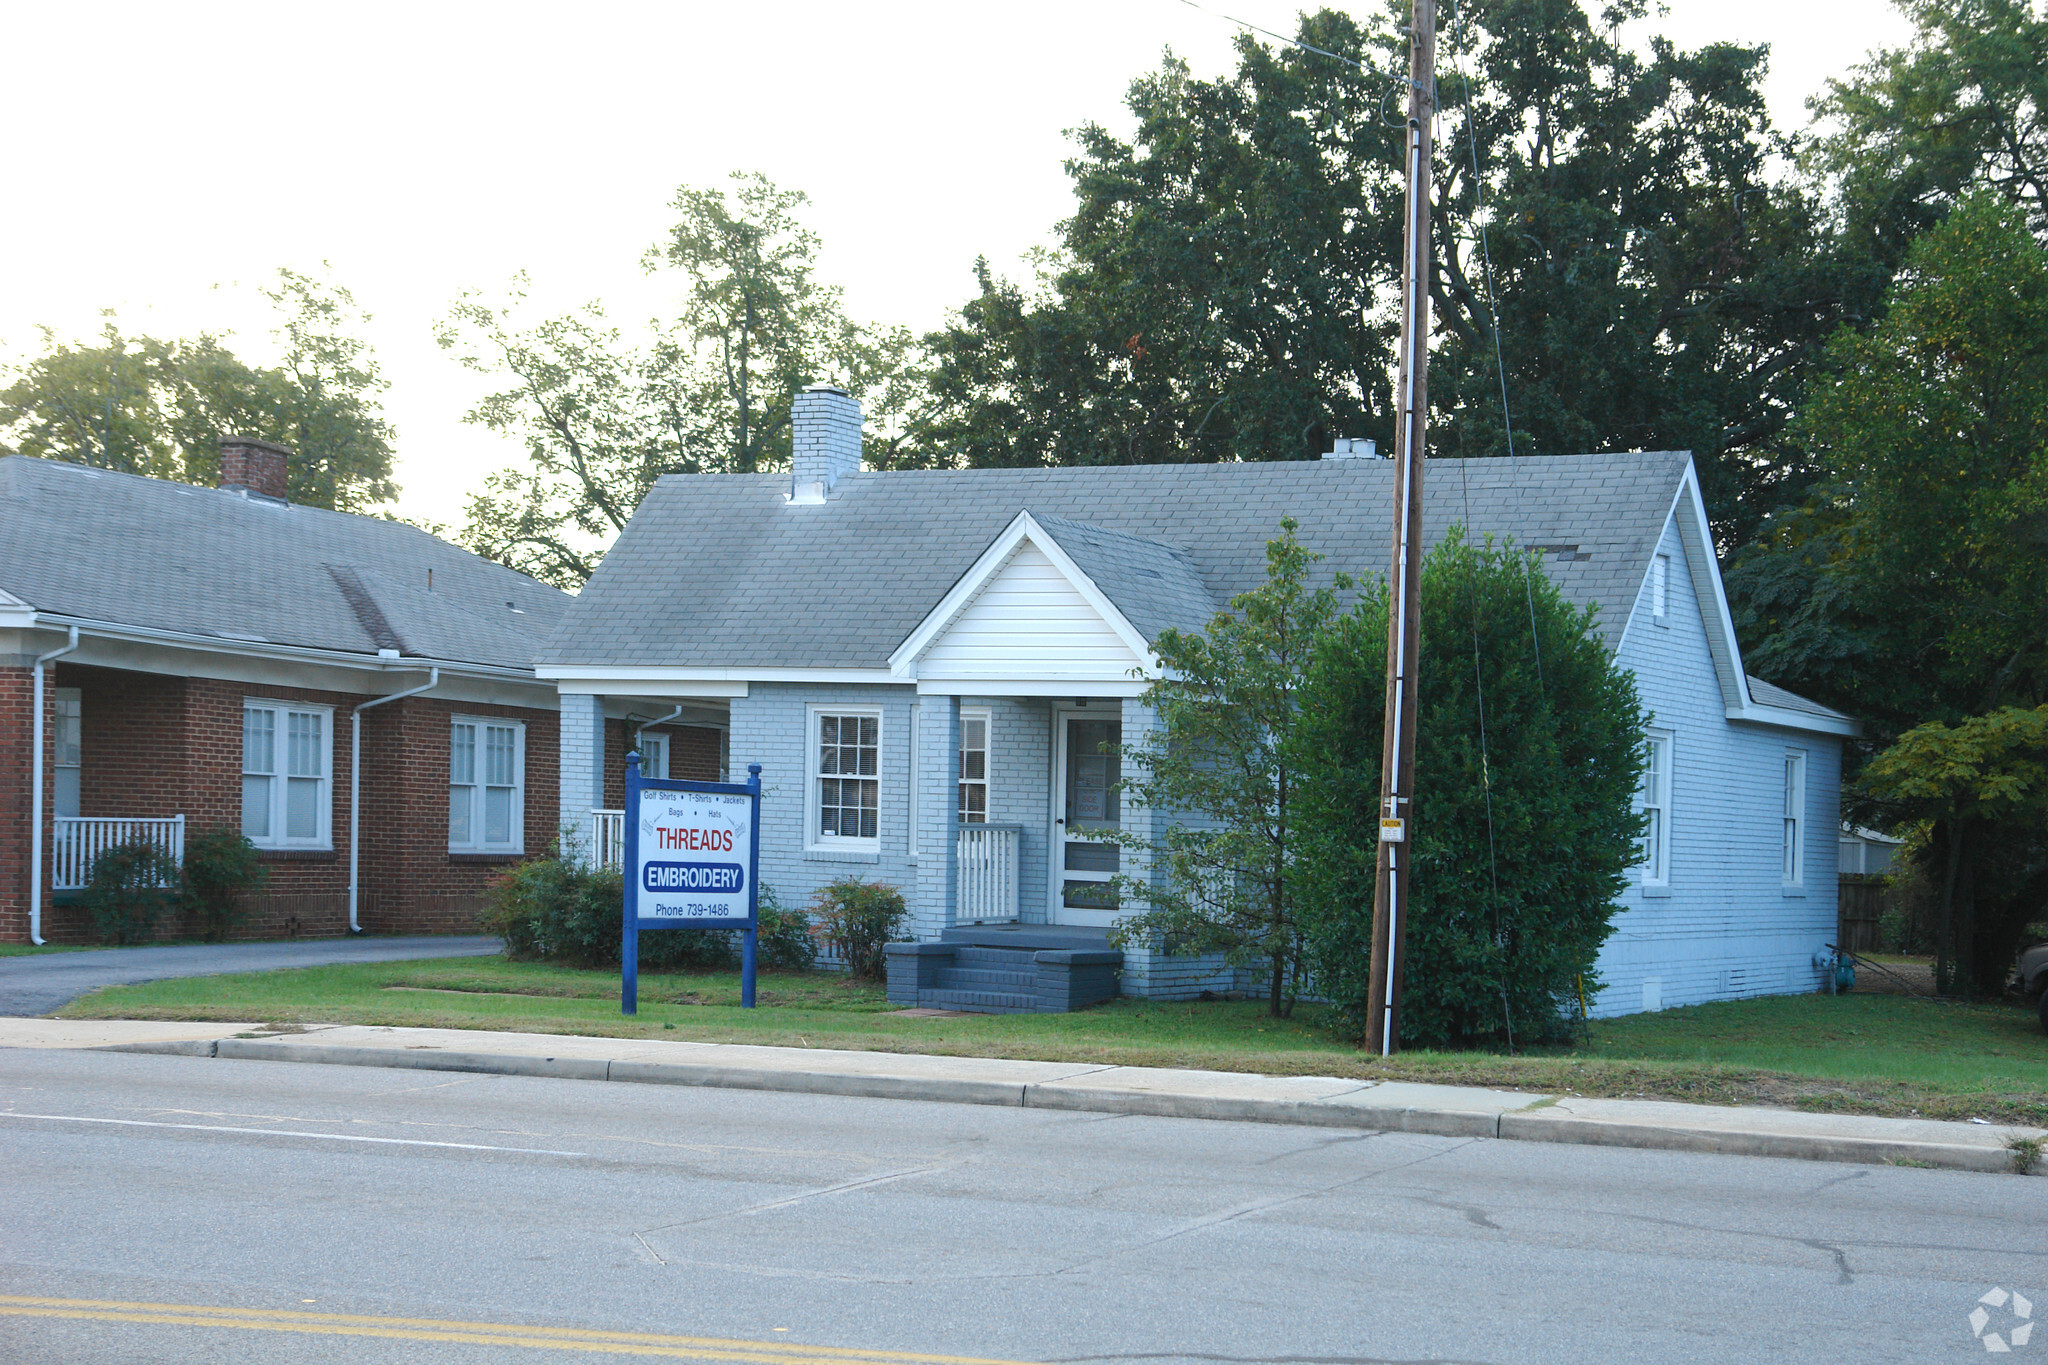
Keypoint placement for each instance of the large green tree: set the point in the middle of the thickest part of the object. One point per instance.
(1913, 589)
(1964, 104)
(155, 407)
(602, 416)
(1225, 288)
(1529, 748)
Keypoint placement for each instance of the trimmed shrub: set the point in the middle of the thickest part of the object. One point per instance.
(784, 943)
(221, 868)
(1518, 853)
(132, 885)
(858, 919)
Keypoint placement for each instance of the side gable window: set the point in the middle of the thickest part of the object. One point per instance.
(486, 785)
(973, 803)
(287, 788)
(1794, 820)
(1656, 794)
(845, 787)
(1660, 590)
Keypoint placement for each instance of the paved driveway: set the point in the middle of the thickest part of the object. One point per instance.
(40, 983)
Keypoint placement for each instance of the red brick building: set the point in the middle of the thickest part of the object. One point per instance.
(354, 695)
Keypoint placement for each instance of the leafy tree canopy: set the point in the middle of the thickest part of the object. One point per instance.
(1226, 287)
(1964, 104)
(154, 407)
(706, 391)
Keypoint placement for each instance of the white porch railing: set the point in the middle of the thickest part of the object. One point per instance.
(77, 840)
(608, 838)
(985, 883)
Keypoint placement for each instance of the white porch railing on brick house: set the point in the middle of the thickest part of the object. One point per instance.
(608, 838)
(986, 874)
(77, 840)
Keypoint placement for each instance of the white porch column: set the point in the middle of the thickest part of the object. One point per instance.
(582, 762)
(938, 753)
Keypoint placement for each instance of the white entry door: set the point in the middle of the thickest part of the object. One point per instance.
(1086, 768)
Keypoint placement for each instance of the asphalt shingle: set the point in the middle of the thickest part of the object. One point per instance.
(119, 548)
(721, 571)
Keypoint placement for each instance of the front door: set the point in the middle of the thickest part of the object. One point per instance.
(1087, 768)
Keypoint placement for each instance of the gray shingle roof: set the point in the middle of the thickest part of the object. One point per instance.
(1153, 584)
(720, 571)
(1770, 694)
(104, 546)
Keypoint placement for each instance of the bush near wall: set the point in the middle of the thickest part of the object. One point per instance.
(558, 910)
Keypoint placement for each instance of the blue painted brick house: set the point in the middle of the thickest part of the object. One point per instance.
(934, 669)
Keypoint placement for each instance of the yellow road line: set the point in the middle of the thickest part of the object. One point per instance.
(588, 1341)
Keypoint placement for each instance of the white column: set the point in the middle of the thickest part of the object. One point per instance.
(938, 751)
(582, 762)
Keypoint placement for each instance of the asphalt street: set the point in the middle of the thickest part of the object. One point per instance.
(38, 983)
(189, 1209)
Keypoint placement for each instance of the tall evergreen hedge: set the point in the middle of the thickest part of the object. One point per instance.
(1508, 913)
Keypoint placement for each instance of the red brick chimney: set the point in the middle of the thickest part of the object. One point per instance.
(253, 466)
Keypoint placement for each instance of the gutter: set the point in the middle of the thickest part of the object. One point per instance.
(355, 780)
(263, 649)
(35, 819)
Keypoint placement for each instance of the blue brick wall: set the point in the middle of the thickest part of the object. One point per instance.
(1724, 927)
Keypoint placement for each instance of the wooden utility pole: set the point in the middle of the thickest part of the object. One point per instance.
(1392, 894)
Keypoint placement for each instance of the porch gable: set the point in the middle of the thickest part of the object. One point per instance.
(1025, 612)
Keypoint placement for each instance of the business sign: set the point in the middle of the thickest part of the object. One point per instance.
(694, 856)
(692, 861)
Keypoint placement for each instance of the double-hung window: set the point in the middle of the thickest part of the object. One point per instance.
(486, 786)
(69, 748)
(1794, 819)
(1656, 792)
(846, 779)
(287, 785)
(973, 800)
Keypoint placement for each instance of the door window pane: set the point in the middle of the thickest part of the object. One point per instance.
(1093, 771)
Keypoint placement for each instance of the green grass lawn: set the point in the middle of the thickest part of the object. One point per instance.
(1878, 1054)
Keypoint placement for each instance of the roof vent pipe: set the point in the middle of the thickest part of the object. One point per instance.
(1352, 448)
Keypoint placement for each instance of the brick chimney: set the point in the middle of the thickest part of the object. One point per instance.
(824, 426)
(248, 465)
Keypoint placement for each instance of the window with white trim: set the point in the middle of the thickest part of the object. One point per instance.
(287, 782)
(1656, 796)
(69, 748)
(654, 756)
(1660, 589)
(846, 779)
(972, 806)
(486, 785)
(1794, 822)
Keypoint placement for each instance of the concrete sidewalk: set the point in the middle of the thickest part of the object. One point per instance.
(1324, 1101)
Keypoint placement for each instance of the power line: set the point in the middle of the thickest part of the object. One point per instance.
(1283, 38)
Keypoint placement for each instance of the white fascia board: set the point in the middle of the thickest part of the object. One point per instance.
(903, 663)
(1787, 719)
(264, 649)
(1031, 687)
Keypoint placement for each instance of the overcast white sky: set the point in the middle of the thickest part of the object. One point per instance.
(157, 151)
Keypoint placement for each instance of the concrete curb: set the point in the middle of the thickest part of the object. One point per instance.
(1319, 1102)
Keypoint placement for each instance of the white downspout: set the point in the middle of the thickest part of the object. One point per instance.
(35, 785)
(355, 781)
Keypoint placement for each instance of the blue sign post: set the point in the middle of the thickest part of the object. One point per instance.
(693, 855)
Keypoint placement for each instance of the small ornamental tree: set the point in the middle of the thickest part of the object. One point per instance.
(1519, 847)
(1222, 765)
